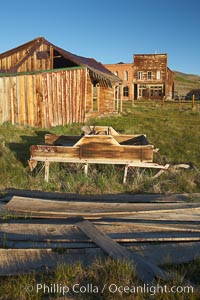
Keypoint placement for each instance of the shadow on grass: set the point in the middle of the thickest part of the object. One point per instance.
(21, 150)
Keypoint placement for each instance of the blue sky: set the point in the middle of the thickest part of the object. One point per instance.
(107, 30)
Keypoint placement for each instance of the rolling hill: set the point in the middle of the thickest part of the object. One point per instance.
(184, 83)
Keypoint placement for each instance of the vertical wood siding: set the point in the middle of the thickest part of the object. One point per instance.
(43, 99)
(105, 98)
(17, 59)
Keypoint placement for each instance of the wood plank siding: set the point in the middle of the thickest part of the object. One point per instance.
(43, 99)
(27, 59)
(152, 77)
(44, 85)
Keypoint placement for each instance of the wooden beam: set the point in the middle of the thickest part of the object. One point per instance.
(170, 253)
(116, 198)
(145, 270)
(18, 261)
(68, 233)
(78, 208)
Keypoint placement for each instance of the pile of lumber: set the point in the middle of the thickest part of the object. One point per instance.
(150, 230)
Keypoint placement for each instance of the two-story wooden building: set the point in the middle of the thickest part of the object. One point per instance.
(152, 78)
(149, 77)
(44, 85)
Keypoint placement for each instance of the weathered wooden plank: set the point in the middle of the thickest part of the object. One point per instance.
(121, 153)
(45, 242)
(8, 98)
(70, 97)
(101, 140)
(67, 235)
(117, 198)
(145, 270)
(66, 227)
(140, 217)
(49, 104)
(53, 98)
(9, 244)
(29, 100)
(71, 158)
(143, 224)
(23, 115)
(123, 231)
(31, 205)
(17, 261)
(171, 253)
(54, 153)
(14, 262)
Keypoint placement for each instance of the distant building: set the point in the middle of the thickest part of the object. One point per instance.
(148, 77)
(193, 93)
(125, 72)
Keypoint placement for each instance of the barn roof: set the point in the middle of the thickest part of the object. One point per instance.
(89, 63)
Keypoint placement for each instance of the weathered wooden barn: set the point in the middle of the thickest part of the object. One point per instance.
(43, 85)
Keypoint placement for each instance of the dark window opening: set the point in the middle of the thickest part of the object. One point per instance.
(60, 62)
(126, 91)
(156, 91)
(149, 75)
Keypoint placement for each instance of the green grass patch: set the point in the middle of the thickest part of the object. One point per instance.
(106, 279)
(175, 132)
(184, 80)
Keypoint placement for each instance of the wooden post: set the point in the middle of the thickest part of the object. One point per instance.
(133, 97)
(121, 103)
(46, 174)
(163, 101)
(180, 104)
(193, 97)
(125, 173)
(118, 98)
(85, 169)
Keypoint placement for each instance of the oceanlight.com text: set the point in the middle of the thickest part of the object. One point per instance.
(113, 288)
